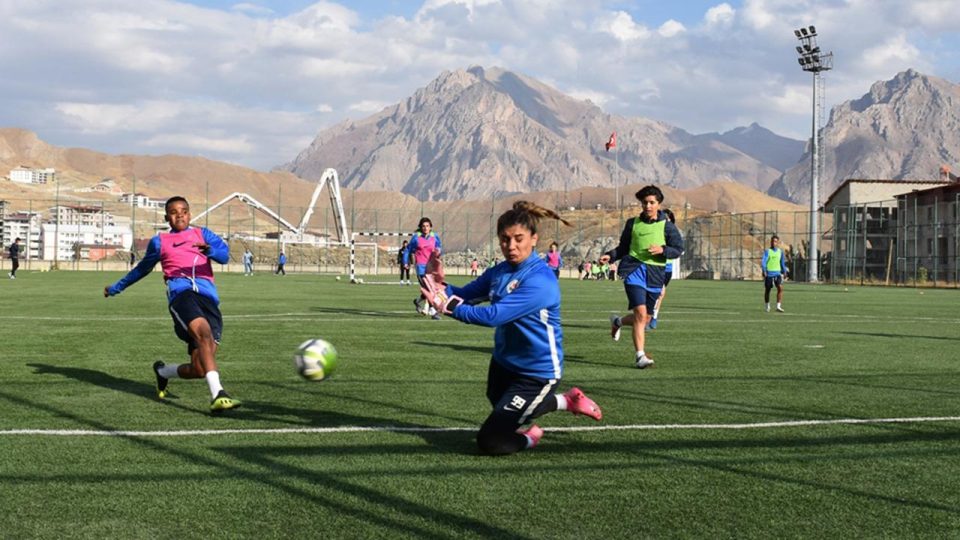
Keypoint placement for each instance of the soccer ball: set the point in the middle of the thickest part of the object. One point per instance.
(315, 360)
(338, 278)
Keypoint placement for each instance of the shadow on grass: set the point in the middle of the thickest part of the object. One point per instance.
(899, 336)
(393, 512)
(358, 312)
(111, 382)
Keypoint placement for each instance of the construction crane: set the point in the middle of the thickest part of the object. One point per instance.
(329, 179)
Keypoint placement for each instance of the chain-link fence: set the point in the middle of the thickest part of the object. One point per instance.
(915, 241)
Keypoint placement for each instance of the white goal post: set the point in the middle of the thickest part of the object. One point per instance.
(353, 249)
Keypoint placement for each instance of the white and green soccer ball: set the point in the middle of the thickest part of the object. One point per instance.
(315, 359)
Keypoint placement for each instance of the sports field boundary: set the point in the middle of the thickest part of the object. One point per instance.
(429, 429)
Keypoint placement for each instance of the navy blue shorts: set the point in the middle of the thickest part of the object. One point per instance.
(190, 305)
(773, 281)
(638, 296)
(516, 399)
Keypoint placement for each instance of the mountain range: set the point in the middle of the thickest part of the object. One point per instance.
(477, 133)
(902, 129)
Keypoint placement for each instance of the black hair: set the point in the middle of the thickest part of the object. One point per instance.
(422, 221)
(669, 213)
(774, 237)
(647, 191)
(527, 214)
(171, 200)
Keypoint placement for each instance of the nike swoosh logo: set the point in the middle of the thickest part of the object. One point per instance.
(176, 244)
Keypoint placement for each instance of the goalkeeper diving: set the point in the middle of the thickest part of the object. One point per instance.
(527, 362)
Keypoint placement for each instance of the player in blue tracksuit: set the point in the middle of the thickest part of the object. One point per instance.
(524, 308)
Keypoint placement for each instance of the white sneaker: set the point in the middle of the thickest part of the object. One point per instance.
(780, 309)
(644, 362)
(767, 309)
(615, 328)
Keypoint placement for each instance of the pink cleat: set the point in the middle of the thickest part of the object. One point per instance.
(579, 403)
(533, 435)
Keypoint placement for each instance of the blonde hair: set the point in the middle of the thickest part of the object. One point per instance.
(527, 214)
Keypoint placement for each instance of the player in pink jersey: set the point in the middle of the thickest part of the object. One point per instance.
(554, 261)
(184, 255)
(422, 244)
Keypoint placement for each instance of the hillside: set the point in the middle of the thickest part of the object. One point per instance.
(477, 133)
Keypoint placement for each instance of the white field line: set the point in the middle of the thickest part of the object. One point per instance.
(426, 429)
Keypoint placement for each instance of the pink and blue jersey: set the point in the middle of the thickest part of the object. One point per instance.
(184, 266)
(420, 248)
(553, 260)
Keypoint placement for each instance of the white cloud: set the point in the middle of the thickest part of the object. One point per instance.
(671, 28)
(199, 143)
(720, 15)
(107, 117)
(896, 51)
(368, 106)
(154, 72)
(252, 9)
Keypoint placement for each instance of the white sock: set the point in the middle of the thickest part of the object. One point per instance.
(778, 304)
(768, 305)
(169, 371)
(561, 402)
(213, 381)
(640, 353)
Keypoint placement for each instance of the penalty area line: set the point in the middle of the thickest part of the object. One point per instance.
(427, 429)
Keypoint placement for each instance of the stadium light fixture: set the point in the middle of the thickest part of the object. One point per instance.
(813, 61)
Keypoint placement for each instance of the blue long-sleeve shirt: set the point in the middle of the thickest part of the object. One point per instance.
(219, 251)
(525, 310)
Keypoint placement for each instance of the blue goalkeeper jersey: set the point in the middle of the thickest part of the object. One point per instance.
(525, 310)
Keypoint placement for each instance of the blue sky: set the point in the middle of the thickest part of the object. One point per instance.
(253, 82)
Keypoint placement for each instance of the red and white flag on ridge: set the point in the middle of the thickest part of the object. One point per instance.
(612, 143)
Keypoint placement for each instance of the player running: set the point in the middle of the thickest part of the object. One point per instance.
(422, 244)
(667, 276)
(647, 242)
(184, 255)
(527, 361)
(774, 267)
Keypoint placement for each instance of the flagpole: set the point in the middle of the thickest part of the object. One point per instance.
(616, 178)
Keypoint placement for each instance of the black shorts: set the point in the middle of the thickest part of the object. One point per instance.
(516, 398)
(667, 276)
(773, 281)
(190, 305)
(638, 296)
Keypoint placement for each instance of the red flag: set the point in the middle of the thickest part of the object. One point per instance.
(612, 143)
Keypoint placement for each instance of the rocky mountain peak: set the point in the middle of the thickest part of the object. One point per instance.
(477, 132)
(902, 129)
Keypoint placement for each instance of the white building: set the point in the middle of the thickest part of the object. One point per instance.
(80, 227)
(141, 200)
(26, 175)
(26, 226)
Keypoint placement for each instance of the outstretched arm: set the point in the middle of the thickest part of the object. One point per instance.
(138, 272)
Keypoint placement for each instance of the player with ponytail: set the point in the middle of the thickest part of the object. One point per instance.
(527, 362)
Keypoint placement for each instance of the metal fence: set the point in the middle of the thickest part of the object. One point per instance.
(730, 246)
(912, 242)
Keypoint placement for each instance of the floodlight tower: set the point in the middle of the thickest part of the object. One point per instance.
(813, 61)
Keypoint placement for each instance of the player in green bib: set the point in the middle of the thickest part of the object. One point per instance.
(647, 242)
(774, 267)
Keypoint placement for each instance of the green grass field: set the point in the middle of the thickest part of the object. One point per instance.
(88, 452)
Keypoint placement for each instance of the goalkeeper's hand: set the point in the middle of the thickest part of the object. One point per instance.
(436, 294)
(435, 267)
